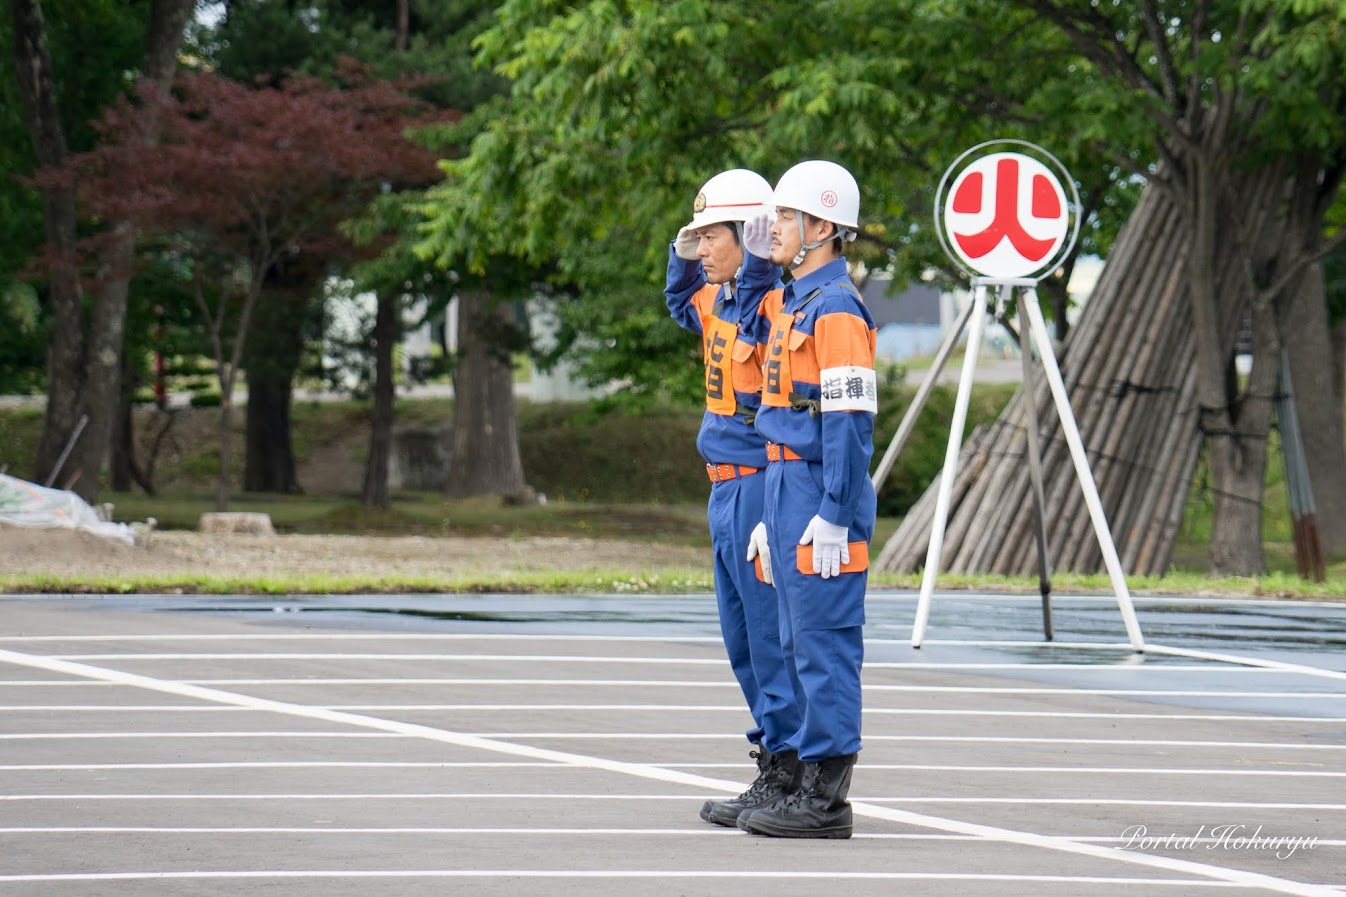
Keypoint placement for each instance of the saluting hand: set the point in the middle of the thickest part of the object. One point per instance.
(686, 244)
(757, 235)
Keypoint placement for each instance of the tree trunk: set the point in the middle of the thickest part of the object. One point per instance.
(1238, 461)
(124, 468)
(123, 448)
(386, 335)
(1339, 363)
(485, 434)
(107, 324)
(65, 354)
(269, 454)
(226, 431)
(403, 25)
(1318, 403)
(272, 355)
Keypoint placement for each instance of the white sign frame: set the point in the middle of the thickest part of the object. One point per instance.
(1052, 168)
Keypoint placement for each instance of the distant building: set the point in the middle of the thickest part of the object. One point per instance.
(910, 322)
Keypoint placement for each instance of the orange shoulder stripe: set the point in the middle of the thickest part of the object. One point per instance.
(703, 300)
(843, 340)
(771, 303)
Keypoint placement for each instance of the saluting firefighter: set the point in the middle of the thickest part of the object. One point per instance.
(819, 399)
(716, 289)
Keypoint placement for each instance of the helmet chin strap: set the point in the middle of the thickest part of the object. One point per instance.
(805, 248)
(743, 253)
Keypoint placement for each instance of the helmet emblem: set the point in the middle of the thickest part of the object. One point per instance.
(699, 204)
(828, 199)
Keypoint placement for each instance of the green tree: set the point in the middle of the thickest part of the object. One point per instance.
(98, 79)
(85, 358)
(428, 42)
(1238, 112)
(618, 111)
(1225, 109)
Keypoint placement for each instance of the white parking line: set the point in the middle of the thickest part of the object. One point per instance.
(1278, 665)
(359, 636)
(974, 739)
(671, 683)
(703, 830)
(689, 708)
(1116, 802)
(121, 708)
(661, 874)
(578, 796)
(868, 711)
(1121, 667)
(671, 736)
(297, 733)
(569, 832)
(529, 658)
(405, 764)
(289, 764)
(1027, 839)
(1062, 770)
(326, 796)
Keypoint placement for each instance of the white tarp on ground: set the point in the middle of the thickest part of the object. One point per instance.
(27, 504)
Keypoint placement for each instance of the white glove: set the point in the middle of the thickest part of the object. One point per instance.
(757, 235)
(686, 244)
(757, 546)
(830, 549)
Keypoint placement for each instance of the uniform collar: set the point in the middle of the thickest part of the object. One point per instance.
(820, 277)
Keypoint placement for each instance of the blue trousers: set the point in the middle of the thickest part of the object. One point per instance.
(749, 619)
(822, 620)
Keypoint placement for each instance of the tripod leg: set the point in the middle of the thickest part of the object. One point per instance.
(945, 493)
(1082, 472)
(908, 424)
(1035, 471)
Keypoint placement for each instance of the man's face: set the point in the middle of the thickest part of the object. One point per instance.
(785, 237)
(721, 256)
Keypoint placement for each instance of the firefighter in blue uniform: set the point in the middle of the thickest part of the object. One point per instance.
(717, 290)
(818, 404)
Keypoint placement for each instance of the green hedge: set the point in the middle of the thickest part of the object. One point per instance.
(572, 452)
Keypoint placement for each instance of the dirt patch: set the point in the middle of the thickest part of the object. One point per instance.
(31, 552)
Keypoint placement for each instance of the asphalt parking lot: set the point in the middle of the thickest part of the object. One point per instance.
(484, 745)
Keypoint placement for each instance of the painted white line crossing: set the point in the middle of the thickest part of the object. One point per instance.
(1213, 874)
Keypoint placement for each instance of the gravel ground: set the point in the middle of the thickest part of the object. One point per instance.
(28, 552)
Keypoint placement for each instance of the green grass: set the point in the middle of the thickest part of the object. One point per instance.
(677, 581)
(1273, 585)
(418, 513)
(689, 581)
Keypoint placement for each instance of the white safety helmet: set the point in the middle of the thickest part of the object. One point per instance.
(824, 190)
(735, 195)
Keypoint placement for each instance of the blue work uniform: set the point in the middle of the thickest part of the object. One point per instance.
(731, 327)
(818, 405)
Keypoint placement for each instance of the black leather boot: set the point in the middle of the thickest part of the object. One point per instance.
(778, 774)
(819, 808)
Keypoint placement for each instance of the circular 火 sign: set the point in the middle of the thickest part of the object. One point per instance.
(1005, 215)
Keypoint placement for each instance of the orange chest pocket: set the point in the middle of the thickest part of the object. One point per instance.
(718, 351)
(747, 371)
(789, 358)
(776, 366)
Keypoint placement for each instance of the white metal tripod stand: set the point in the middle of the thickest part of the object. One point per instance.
(1030, 323)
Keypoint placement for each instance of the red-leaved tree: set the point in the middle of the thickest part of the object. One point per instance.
(245, 178)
